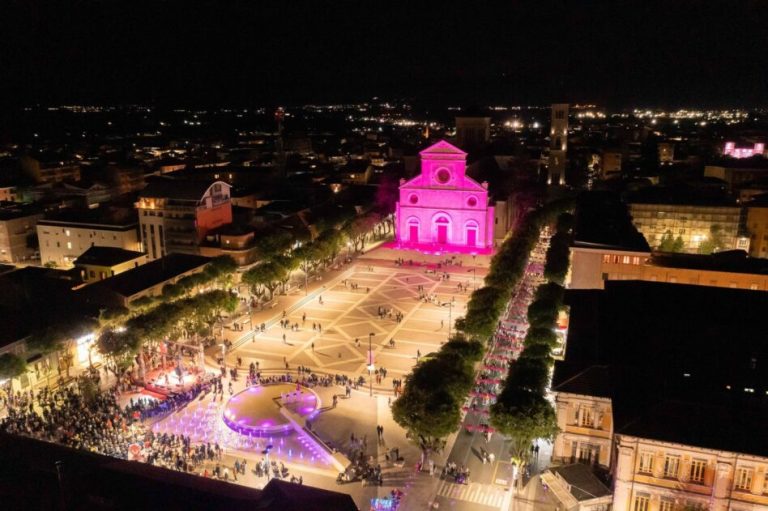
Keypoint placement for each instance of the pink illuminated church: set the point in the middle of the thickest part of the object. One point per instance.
(443, 210)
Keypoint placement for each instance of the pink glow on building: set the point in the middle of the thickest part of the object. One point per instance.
(743, 152)
(442, 210)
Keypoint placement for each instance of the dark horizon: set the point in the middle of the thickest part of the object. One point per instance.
(615, 54)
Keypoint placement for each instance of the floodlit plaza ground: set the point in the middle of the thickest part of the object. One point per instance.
(418, 288)
(349, 312)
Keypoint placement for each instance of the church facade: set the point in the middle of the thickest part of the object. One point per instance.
(442, 209)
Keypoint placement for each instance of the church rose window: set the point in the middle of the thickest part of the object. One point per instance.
(443, 176)
(472, 202)
(413, 199)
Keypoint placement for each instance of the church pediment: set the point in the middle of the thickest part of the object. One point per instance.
(443, 148)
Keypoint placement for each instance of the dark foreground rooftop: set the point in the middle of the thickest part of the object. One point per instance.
(42, 476)
(680, 363)
(160, 270)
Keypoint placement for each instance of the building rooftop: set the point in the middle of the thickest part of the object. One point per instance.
(120, 218)
(107, 256)
(669, 355)
(584, 485)
(96, 482)
(735, 261)
(14, 210)
(179, 189)
(155, 272)
(602, 221)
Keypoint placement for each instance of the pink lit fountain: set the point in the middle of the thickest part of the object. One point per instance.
(255, 412)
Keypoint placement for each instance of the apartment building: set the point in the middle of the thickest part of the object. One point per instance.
(695, 228)
(17, 231)
(663, 387)
(66, 236)
(175, 215)
(592, 267)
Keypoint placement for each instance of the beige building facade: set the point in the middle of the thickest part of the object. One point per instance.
(586, 429)
(591, 267)
(651, 475)
(694, 225)
(61, 242)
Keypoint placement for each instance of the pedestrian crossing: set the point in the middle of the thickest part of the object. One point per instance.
(476, 493)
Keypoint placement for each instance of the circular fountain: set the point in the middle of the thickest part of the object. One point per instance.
(256, 411)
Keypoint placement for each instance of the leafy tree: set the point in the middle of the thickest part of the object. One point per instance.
(221, 269)
(542, 313)
(523, 417)
(483, 311)
(714, 242)
(142, 303)
(527, 373)
(427, 415)
(11, 366)
(470, 352)
(541, 335)
(330, 243)
(558, 258)
(118, 349)
(550, 292)
(113, 316)
(667, 242)
(308, 256)
(540, 352)
(172, 291)
(265, 277)
(290, 263)
(446, 370)
(358, 229)
(274, 243)
(221, 265)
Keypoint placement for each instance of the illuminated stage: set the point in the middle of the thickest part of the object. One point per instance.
(255, 412)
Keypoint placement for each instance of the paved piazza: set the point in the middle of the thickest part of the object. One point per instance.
(347, 315)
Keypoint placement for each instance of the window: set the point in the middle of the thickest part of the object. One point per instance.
(606, 258)
(666, 505)
(646, 463)
(641, 503)
(413, 199)
(744, 479)
(671, 466)
(626, 259)
(69, 245)
(697, 470)
(443, 176)
(586, 418)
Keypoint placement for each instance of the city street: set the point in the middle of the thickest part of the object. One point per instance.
(494, 482)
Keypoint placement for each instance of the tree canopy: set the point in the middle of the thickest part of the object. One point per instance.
(11, 366)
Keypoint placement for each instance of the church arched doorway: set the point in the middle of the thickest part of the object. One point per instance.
(413, 230)
(441, 228)
(470, 233)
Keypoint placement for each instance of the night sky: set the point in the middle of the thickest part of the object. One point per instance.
(223, 52)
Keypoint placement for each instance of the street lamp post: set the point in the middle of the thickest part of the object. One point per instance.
(370, 364)
(349, 250)
(450, 315)
(223, 355)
